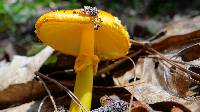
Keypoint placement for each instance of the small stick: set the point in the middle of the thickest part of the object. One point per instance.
(49, 93)
(178, 62)
(110, 87)
(117, 63)
(132, 95)
(42, 102)
(108, 68)
(139, 43)
(175, 61)
(71, 94)
(160, 34)
(193, 74)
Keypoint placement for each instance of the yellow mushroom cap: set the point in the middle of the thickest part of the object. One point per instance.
(62, 30)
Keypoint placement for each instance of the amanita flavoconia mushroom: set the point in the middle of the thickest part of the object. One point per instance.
(89, 34)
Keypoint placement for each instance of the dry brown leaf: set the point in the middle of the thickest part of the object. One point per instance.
(178, 34)
(172, 79)
(153, 88)
(176, 109)
(33, 90)
(190, 53)
(167, 106)
(124, 79)
(160, 80)
(138, 106)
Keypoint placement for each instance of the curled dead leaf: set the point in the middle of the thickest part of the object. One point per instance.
(178, 34)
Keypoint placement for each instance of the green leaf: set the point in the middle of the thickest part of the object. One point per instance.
(5, 22)
(35, 50)
(2, 9)
(17, 7)
(51, 60)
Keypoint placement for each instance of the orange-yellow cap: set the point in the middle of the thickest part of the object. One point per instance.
(62, 30)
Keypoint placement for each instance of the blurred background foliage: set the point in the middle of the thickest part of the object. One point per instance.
(143, 18)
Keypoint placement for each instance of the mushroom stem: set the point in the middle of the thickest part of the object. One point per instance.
(85, 67)
(83, 89)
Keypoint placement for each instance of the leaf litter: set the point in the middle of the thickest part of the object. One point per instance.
(165, 75)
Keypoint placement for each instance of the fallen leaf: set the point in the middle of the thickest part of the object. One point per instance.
(22, 68)
(190, 53)
(176, 109)
(152, 86)
(139, 106)
(27, 107)
(178, 34)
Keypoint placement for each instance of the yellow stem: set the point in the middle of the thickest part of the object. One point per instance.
(85, 66)
(83, 89)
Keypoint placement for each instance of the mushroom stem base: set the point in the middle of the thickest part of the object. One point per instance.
(83, 89)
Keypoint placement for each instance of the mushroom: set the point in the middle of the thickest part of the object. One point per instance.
(89, 34)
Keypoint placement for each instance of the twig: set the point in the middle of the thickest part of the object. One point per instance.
(132, 95)
(49, 93)
(42, 102)
(139, 43)
(148, 47)
(190, 78)
(175, 61)
(107, 87)
(73, 97)
(160, 34)
(108, 68)
(193, 74)
(177, 72)
(117, 63)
